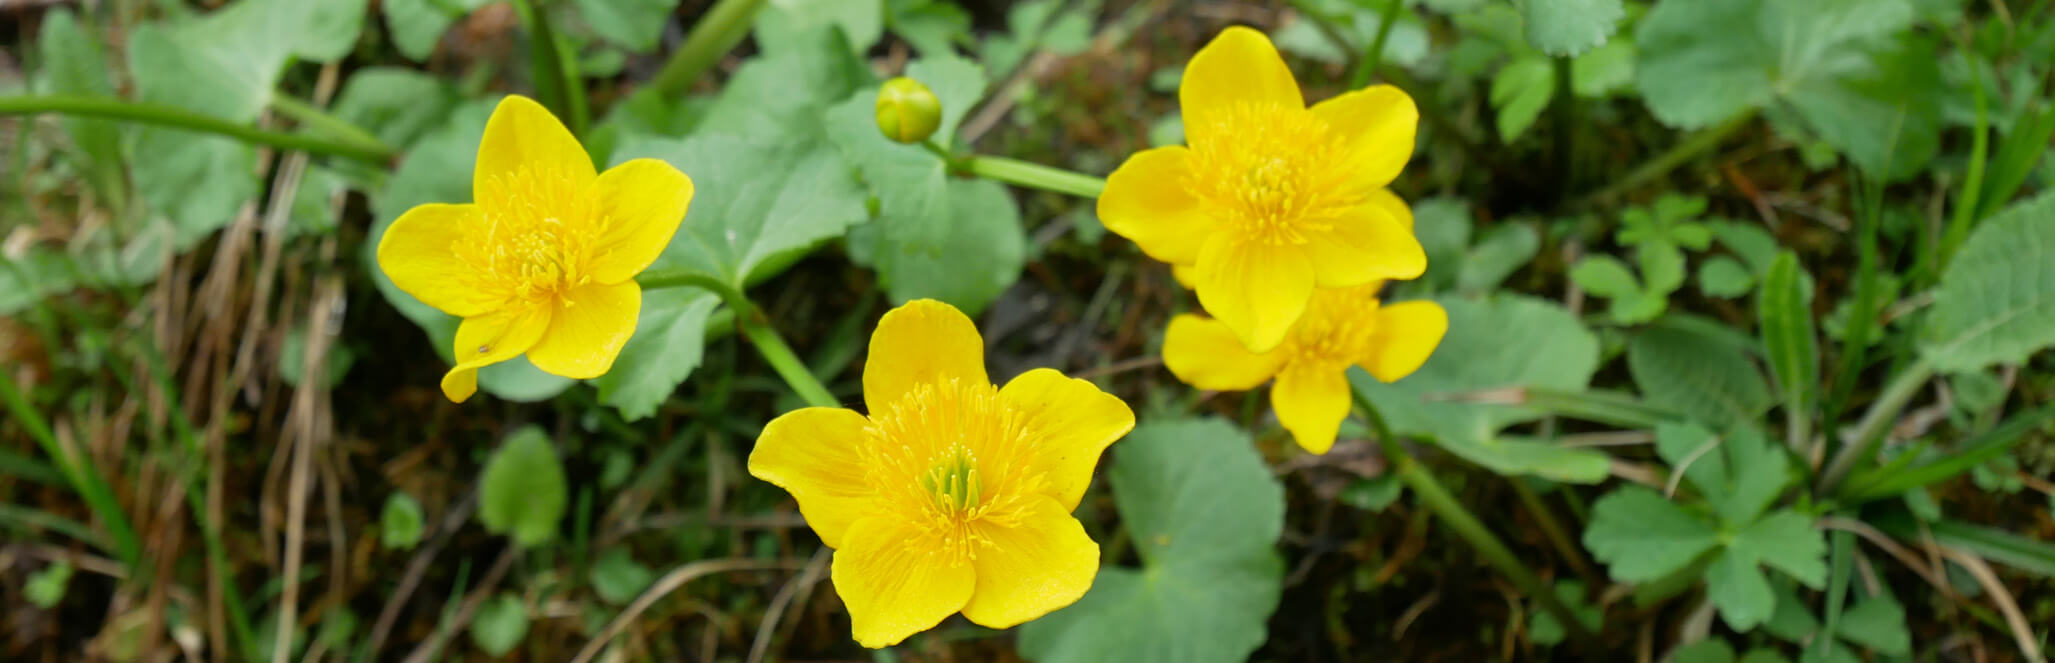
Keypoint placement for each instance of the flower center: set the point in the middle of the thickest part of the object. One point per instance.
(950, 457)
(1338, 327)
(532, 240)
(1270, 171)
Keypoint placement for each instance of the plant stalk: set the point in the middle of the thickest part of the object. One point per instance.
(164, 115)
(1870, 431)
(1692, 146)
(80, 473)
(312, 117)
(756, 327)
(1031, 175)
(1366, 68)
(1466, 525)
(713, 36)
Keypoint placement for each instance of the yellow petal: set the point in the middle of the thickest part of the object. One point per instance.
(921, 342)
(892, 577)
(1376, 124)
(1185, 275)
(1071, 422)
(523, 133)
(642, 202)
(1238, 68)
(417, 254)
(1146, 201)
(1371, 241)
(489, 339)
(1407, 333)
(1257, 290)
(1311, 401)
(1041, 562)
(592, 322)
(816, 454)
(1204, 353)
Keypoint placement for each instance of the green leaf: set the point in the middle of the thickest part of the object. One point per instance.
(1724, 277)
(397, 105)
(1688, 371)
(1740, 474)
(669, 340)
(1878, 624)
(1604, 70)
(1642, 537)
(1519, 92)
(1834, 61)
(1605, 276)
(1996, 301)
(331, 29)
(1704, 651)
(618, 578)
(1784, 310)
(1570, 27)
(500, 624)
(1739, 589)
(631, 24)
(400, 522)
(1553, 350)
(1756, 247)
(862, 21)
(1205, 514)
(1788, 542)
(1764, 656)
(416, 26)
(1791, 620)
(1988, 446)
(1443, 226)
(74, 63)
(522, 490)
(1867, 115)
(1662, 267)
(931, 27)
(1372, 494)
(1543, 628)
(1502, 250)
(45, 588)
(778, 98)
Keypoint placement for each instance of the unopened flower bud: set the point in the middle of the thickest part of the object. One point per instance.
(908, 111)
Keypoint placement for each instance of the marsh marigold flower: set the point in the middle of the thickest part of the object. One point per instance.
(1271, 199)
(953, 495)
(543, 261)
(1341, 328)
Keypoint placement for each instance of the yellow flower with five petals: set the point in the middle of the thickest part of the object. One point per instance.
(1271, 198)
(1342, 327)
(543, 262)
(953, 495)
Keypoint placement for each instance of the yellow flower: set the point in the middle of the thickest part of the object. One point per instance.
(1272, 198)
(1341, 327)
(953, 495)
(544, 261)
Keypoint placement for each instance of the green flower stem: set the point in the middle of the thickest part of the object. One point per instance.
(1862, 444)
(1366, 68)
(756, 327)
(1437, 499)
(1692, 146)
(311, 117)
(172, 116)
(79, 472)
(713, 36)
(1030, 175)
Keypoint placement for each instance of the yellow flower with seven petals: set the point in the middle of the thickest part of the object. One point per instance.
(543, 262)
(1342, 327)
(1272, 198)
(953, 495)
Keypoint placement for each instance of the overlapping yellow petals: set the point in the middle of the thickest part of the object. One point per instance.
(1309, 370)
(543, 261)
(950, 495)
(1271, 199)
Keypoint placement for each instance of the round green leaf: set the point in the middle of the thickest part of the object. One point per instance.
(523, 494)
